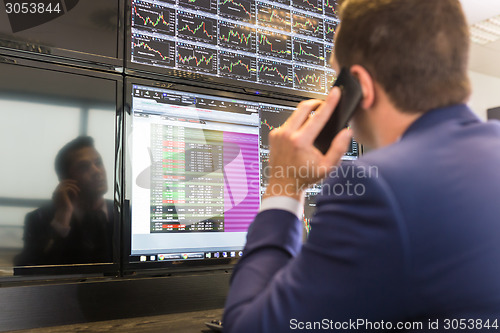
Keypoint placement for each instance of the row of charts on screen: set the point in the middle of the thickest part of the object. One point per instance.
(285, 43)
(199, 166)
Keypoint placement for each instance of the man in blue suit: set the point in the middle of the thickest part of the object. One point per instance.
(406, 238)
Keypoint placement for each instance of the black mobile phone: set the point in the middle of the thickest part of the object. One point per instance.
(350, 98)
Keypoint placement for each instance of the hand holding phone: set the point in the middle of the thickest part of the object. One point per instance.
(351, 95)
(65, 195)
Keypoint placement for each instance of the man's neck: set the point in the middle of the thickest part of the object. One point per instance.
(391, 123)
(393, 130)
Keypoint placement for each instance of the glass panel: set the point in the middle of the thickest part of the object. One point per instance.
(21, 123)
(98, 128)
(50, 217)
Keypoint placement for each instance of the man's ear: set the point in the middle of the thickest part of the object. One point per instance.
(367, 85)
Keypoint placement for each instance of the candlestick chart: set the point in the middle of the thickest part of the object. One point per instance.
(273, 16)
(328, 54)
(330, 80)
(331, 7)
(209, 6)
(153, 17)
(313, 5)
(330, 27)
(199, 58)
(274, 72)
(153, 50)
(237, 66)
(274, 44)
(307, 25)
(238, 9)
(197, 27)
(309, 79)
(236, 36)
(308, 51)
(271, 118)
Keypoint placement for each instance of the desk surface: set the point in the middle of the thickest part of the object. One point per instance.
(186, 322)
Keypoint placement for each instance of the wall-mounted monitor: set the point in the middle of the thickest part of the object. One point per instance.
(88, 32)
(260, 46)
(59, 212)
(493, 113)
(196, 169)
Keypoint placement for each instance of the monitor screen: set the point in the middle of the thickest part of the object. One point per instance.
(197, 171)
(194, 174)
(493, 113)
(89, 30)
(56, 122)
(281, 46)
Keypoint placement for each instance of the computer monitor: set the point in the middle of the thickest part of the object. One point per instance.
(44, 107)
(257, 46)
(87, 32)
(196, 161)
(493, 113)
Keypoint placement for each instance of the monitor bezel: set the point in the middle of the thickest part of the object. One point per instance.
(168, 267)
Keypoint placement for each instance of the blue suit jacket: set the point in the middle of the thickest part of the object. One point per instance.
(417, 238)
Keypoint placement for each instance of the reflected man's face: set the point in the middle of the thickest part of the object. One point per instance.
(88, 170)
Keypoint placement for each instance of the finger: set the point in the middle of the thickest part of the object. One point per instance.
(66, 183)
(338, 147)
(65, 187)
(73, 191)
(315, 124)
(301, 114)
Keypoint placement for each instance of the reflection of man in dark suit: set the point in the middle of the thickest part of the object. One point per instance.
(77, 227)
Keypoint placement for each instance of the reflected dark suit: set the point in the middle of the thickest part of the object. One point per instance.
(90, 240)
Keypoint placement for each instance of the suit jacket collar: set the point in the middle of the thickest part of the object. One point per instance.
(459, 113)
